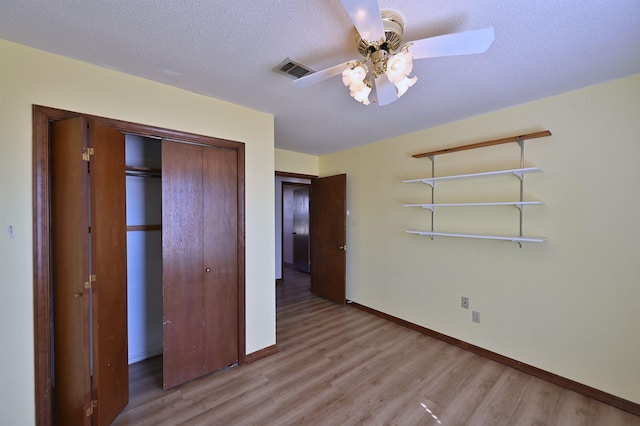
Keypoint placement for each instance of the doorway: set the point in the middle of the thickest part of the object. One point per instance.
(327, 213)
(42, 226)
(296, 248)
(285, 237)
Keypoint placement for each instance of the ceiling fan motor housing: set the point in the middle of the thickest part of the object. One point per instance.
(393, 28)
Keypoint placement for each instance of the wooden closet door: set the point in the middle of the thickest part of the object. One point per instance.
(200, 269)
(70, 269)
(182, 263)
(88, 240)
(220, 187)
(109, 265)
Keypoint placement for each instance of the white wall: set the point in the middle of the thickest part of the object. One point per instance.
(568, 306)
(295, 162)
(28, 77)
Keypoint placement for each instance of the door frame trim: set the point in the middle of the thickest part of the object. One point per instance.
(42, 116)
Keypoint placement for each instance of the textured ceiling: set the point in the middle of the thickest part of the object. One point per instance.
(228, 50)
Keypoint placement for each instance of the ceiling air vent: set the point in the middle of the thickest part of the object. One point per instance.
(292, 68)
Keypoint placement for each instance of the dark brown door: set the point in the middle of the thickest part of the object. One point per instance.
(89, 272)
(220, 206)
(200, 282)
(301, 229)
(328, 237)
(109, 265)
(70, 270)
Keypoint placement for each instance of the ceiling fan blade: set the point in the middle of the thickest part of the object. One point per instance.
(321, 75)
(385, 90)
(365, 15)
(465, 43)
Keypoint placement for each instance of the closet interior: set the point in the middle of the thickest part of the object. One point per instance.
(143, 157)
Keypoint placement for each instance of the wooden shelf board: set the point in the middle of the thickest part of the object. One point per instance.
(534, 135)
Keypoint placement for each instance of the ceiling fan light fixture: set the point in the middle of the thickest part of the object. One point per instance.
(399, 66)
(360, 77)
(404, 84)
(354, 78)
(387, 56)
(362, 95)
(386, 60)
(355, 74)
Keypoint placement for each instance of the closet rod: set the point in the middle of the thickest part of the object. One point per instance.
(535, 135)
(143, 171)
(144, 227)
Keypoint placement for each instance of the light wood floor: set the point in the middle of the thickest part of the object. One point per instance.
(338, 365)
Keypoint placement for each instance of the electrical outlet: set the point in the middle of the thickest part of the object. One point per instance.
(464, 302)
(475, 316)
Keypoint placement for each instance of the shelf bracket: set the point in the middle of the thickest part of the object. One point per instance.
(519, 174)
(433, 187)
(520, 140)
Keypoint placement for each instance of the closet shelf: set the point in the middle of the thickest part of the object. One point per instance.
(518, 172)
(518, 204)
(515, 239)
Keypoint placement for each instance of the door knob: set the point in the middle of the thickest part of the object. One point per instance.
(207, 270)
(342, 248)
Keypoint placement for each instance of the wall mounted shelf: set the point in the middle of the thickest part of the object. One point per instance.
(518, 204)
(519, 139)
(515, 239)
(518, 172)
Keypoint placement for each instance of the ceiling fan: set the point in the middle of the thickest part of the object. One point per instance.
(387, 62)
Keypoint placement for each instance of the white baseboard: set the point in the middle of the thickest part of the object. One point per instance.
(141, 356)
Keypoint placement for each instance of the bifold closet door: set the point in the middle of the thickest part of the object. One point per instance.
(88, 229)
(109, 265)
(199, 250)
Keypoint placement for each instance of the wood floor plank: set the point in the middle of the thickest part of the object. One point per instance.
(337, 365)
(502, 399)
(535, 400)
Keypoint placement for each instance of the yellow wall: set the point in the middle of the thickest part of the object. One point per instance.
(568, 306)
(29, 76)
(295, 162)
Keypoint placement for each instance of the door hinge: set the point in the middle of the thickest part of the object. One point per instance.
(89, 284)
(87, 153)
(89, 411)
